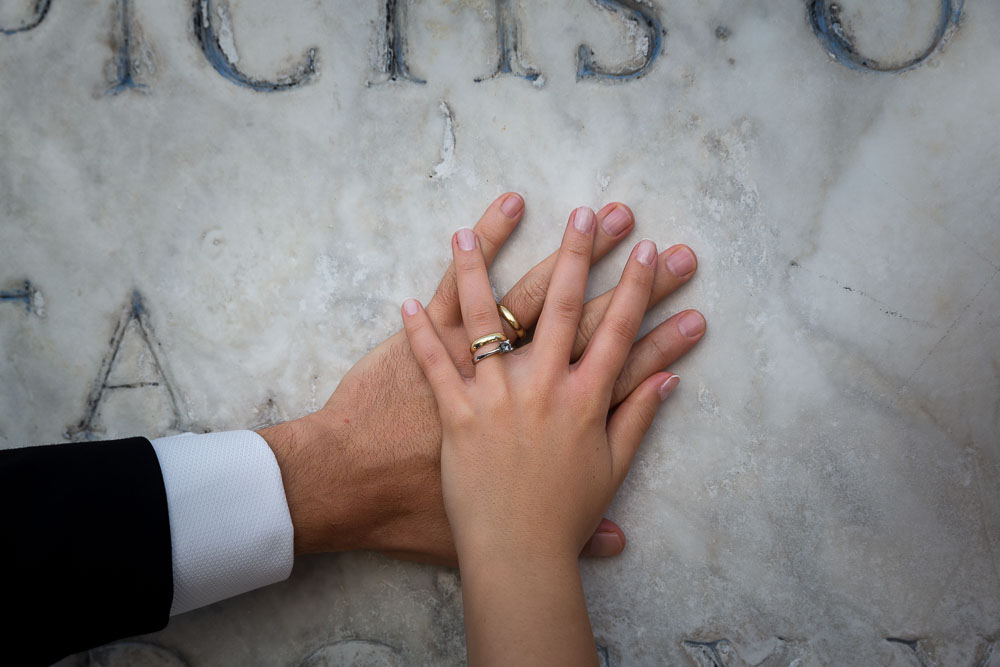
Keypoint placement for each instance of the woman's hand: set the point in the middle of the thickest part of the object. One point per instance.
(530, 458)
(364, 472)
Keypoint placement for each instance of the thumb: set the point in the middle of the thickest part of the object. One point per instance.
(608, 540)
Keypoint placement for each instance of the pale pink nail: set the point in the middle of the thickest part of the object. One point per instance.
(411, 306)
(583, 219)
(645, 252)
(616, 221)
(681, 262)
(512, 205)
(691, 324)
(667, 387)
(466, 239)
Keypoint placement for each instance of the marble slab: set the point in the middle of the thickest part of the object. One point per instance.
(210, 210)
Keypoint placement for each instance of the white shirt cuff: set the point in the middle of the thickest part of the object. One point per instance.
(230, 530)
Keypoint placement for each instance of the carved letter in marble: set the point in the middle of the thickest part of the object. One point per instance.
(128, 64)
(220, 50)
(835, 34)
(133, 362)
(37, 16)
(650, 40)
(391, 44)
(24, 293)
(510, 60)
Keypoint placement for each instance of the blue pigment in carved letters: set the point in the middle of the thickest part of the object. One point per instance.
(208, 38)
(825, 19)
(509, 57)
(38, 15)
(647, 20)
(392, 44)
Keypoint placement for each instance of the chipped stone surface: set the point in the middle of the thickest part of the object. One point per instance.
(272, 180)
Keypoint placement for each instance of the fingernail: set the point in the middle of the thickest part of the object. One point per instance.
(466, 239)
(667, 387)
(606, 544)
(616, 221)
(583, 219)
(681, 262)
(645, 252)
(411, 306)
(512, 205)
(691, 324)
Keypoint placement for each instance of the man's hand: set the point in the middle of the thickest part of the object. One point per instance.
(364, 471)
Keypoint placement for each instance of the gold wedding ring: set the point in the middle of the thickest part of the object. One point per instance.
(511, 320)
(486, 340)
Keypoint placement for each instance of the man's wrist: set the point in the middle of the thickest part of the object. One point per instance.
(328, 496)
(287, 441)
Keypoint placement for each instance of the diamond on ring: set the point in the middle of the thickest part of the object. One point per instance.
(503, 347)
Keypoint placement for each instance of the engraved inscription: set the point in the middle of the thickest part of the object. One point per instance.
(218, 45)
(648, 33)
(38, 13)
(720, 653)
(133, 362)
(921, 653)
(836, 35)
(27, 295)
(131, 58)
(510, 60)
(390, 44)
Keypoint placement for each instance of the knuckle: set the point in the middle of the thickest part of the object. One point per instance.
(461, 414)
(530, 294)
(660, 350)
(489, 235)
(578, 249)
(537, 395)
(620, 328)
(468, 266)
(432, 357)
(566, 306)
(481, 320)
(637, 279)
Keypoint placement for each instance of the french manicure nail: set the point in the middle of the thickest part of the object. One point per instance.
(691, 324)
(583, 219)
(645, 252)
(410, 306)
(615, 222)
(667, 387)
(606, 544)
(466, 239)
(681, 262)
(512, 205)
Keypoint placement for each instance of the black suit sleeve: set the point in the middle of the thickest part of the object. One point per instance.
(84, 547)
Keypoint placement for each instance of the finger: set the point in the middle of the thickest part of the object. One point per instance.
(564, 301)
(607, 541)
(675, 266)
(661, 347)
(525, 299)
(613, 339)
(629, 423)
(479, 309)
(430, 352)
(493, 228)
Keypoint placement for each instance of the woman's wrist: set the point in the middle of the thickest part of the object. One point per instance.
(485, 551)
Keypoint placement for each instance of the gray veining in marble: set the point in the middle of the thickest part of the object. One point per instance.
(236, 196)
